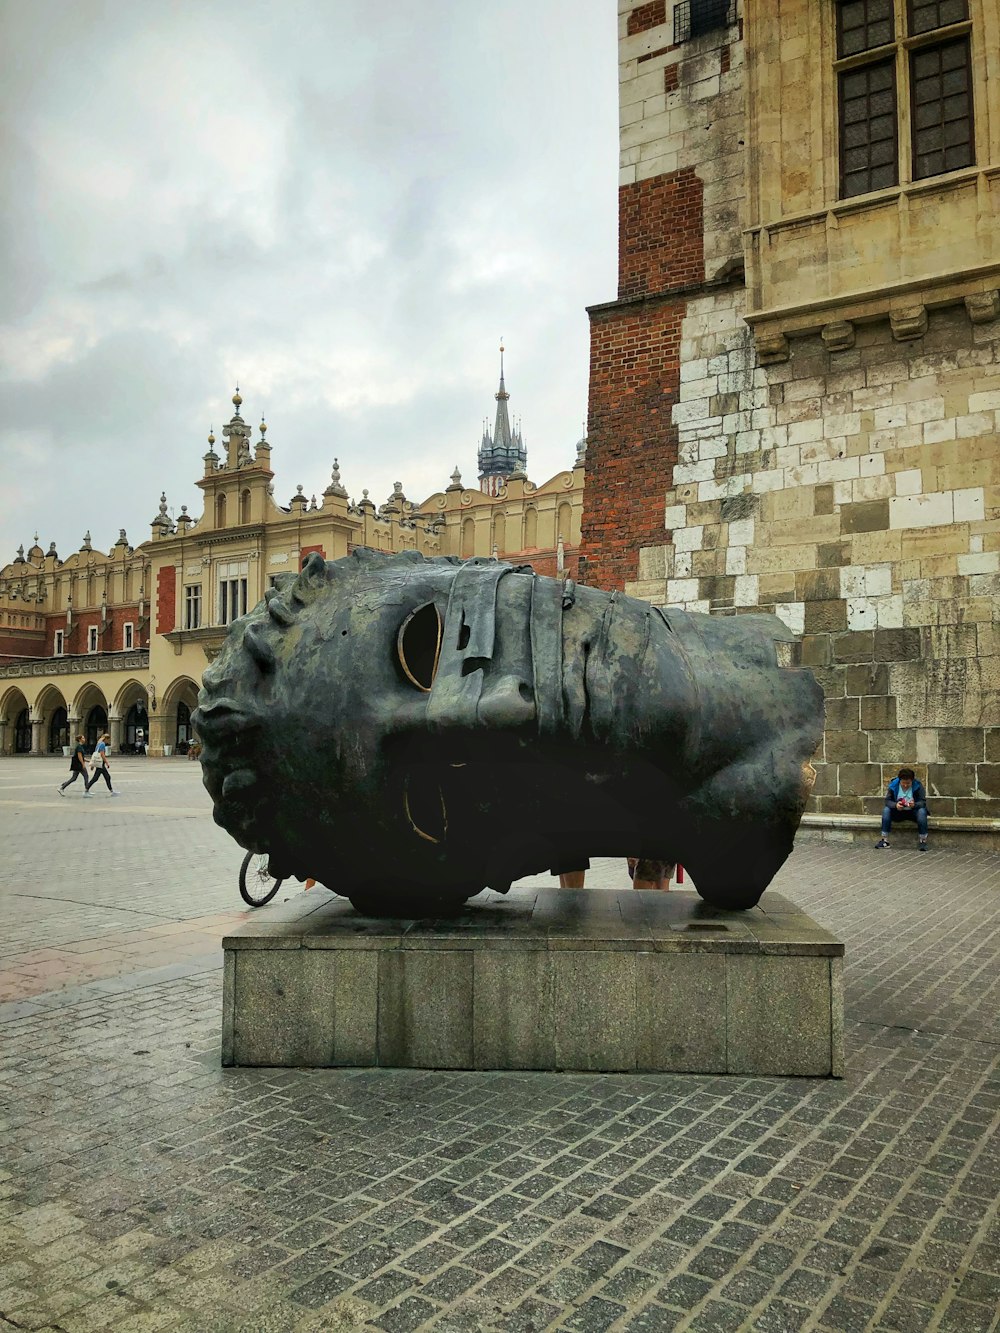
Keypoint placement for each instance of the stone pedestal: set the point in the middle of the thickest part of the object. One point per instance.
(574, 979)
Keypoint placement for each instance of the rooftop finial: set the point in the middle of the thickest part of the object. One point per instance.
(262, 427)
(336, 486)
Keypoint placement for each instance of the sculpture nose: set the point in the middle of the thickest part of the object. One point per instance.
(506, 701)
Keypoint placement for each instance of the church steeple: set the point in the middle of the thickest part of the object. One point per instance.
(503, 452)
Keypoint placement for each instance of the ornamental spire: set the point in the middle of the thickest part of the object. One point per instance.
(503, 453)
(501, 430)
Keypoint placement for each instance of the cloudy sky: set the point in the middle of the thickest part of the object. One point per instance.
(343, 205)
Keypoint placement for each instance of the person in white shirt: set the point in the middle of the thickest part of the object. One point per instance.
(99, 763)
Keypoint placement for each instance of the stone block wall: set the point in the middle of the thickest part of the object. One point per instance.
(856, 493)
(765, 435)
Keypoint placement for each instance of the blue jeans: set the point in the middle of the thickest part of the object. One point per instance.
(890, 816)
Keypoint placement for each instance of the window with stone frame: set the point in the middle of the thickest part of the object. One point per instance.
(232, 582)
(904, 91)
(192, 606)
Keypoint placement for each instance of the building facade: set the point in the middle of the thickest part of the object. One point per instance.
(801, 371)
(118, 642)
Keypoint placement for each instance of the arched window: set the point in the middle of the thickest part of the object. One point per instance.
(531, 528)
(245, 507)
(500, 532)
(468, 538)
(58, 730)
(220, 512)
(564, 526)
(22, 732)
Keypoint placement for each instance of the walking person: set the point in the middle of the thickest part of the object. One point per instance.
(99, 763)
(77, 767)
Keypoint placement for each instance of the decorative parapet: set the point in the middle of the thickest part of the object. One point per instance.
(86, 663)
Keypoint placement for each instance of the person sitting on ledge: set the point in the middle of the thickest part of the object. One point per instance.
(905, 798)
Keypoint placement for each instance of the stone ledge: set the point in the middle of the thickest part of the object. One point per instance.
(539, 979)
(945, 830)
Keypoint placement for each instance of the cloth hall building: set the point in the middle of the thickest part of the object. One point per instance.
(118, 641)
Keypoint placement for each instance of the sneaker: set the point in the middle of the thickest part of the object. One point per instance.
(60, 791)
(882, 842)
(86, 793)
(116, 793)
(923, 846)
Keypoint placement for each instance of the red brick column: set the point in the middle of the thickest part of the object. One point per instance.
(166, 599)
(631, 441)
(635, 373)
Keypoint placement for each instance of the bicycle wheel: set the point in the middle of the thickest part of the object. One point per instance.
(257, 885)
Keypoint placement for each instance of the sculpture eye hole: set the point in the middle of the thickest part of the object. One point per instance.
(418, 645)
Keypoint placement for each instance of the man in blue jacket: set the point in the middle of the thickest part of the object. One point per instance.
(905, 798)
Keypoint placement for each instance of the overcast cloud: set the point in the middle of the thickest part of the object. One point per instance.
(341, 204)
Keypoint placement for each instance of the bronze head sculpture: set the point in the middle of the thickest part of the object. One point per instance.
(410, 731)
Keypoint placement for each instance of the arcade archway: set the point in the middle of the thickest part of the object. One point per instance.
(15, 723)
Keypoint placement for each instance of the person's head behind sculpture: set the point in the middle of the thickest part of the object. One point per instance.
(400, 725)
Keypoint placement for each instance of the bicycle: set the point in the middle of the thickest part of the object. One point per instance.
(257, 885)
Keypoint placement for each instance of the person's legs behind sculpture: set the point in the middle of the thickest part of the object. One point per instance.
(649, 874)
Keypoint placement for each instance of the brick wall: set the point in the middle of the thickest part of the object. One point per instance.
(681, 170)
(660, 234)
(631, 440)
(24, 644)
(166, 599)
(647, 16)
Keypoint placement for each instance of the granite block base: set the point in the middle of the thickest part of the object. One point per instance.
(557, 979)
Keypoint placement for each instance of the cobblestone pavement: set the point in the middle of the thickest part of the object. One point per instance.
(142, 1187)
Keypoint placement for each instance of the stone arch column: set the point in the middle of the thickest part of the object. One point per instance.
(6, 737)
(36, 735)
(115, 729)
(158, 737)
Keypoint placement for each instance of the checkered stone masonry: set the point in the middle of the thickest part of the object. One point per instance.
(856, 493)
(847, 479)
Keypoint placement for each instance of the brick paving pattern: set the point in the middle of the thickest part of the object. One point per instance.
(142, 1187)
